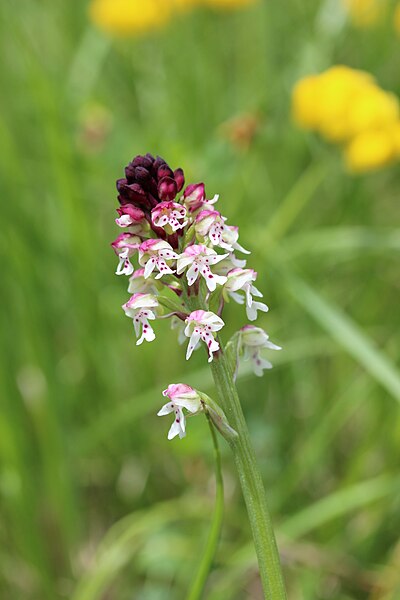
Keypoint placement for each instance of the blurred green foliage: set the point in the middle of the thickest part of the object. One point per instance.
(95, 502)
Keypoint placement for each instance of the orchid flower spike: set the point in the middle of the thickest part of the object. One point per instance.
(242, 280)
(200, 325)
(252, 341)
(199, 259)
(180, 396)
(139, 308)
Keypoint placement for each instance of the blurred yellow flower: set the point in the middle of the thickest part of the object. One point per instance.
(397, 18)
(365, 13)
(229, 4)
(347, 106)
(127, 17)
(370, 150)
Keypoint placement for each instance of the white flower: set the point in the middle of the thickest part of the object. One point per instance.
(125, 246)
(138, 284)
(169, 214)
(252, 341)
(199, 258)
(242, 280)
(200, 325)
(181, 396)
(210, 224)
(139, 308)
(154, 254)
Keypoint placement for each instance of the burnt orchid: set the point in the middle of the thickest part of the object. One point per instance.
(179, 253)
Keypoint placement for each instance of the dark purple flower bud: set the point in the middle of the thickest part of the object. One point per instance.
(143, 161)
(157, 164)
(130, 173)
(179, 178)
(167, 189)
(142, 174)
(194, 195)
(134, 213)
(164, 171)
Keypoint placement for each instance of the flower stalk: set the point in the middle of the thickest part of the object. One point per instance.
(250, 481)
(209, 552)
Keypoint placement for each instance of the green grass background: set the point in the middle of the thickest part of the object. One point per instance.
(95, 502)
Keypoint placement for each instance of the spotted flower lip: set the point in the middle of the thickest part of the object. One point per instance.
(138, 308)
(200, 325)
(181, 396)
(252, 341)
(198, 259)
(125, 245)
(169, 214)
(242, 280)
(154, 254)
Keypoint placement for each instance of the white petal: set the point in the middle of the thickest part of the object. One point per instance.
(149, 268)
(213, 259)
(192, 273)
(183, 262)
(194, 340)
(175, 430)
(259, 364)
(252, 310)
(191, 404)
(166, 409)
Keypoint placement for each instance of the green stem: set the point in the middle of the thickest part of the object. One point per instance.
(251, 482)
(246, 465)
(199, 583)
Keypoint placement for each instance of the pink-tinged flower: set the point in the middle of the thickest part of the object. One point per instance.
(139, 285)
(210, 224)
(139, 308)
(252, 341)
(200, 325)
(169, 214)
(242, 280)
(124, 246)
(180, 396)
(129, 215)
(199, 258)
(194, 197)
(154, 254)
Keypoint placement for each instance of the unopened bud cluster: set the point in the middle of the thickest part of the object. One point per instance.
(179, 252)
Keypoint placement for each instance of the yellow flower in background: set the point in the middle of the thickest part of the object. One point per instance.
(397, 18)
(322, 102)
(347, 106)
(371, 150)
(127, 17)
(365, 13)
(133, 17)
(305, 102)
(373, 109)
(229, 4)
